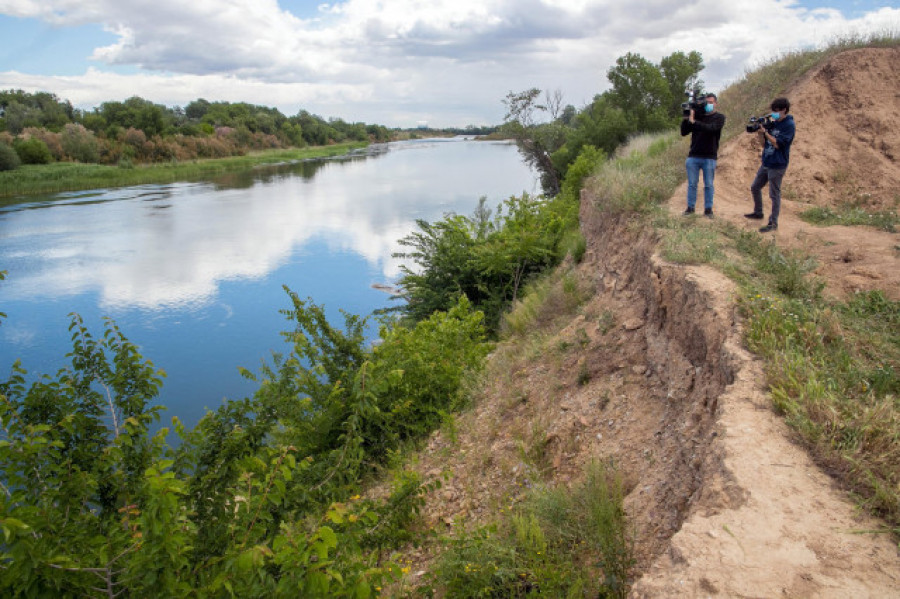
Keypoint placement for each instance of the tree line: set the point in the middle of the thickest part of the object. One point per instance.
(644, 97)
(41, 128)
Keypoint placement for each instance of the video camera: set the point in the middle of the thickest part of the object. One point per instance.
(696, 99)
(756, 122)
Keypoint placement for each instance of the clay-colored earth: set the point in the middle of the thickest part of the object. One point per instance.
(724, 502)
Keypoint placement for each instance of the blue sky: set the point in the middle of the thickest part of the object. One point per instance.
(394, 62)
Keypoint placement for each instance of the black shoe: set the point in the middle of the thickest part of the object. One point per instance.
(688, 211)
(755, 215)
(708, 213)
(768, 228)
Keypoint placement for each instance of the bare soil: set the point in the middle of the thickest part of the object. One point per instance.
(652, 373)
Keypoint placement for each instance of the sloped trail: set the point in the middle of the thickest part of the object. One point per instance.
(786, 529)
(791, 531)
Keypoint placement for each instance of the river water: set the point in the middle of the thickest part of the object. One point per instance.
(193, 272)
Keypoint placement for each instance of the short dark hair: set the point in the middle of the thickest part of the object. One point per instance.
(713, 96)
(781, 104)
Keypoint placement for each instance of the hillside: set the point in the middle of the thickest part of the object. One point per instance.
(652, 373)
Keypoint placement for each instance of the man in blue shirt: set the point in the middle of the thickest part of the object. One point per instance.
(777, 138)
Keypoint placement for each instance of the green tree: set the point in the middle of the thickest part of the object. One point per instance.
(79, 143)
(18, 116)
(641, 91)
(20, 109)
(197, 109)
(678, 69)
(92, 504)
(601, 125)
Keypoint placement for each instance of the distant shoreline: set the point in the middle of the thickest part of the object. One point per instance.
(28, 180)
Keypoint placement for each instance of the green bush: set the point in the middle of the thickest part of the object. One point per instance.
(258, 499)
(33, 151)
(9, 160)
(79, 143)
(486, 258)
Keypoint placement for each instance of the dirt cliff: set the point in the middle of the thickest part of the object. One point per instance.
(724, 502)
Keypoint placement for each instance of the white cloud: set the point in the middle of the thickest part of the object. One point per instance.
(400, 61)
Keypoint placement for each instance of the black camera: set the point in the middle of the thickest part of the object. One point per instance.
(696, 101)
(756, 122)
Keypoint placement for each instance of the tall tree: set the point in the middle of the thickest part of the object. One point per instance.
(639, 89)
(678, 68)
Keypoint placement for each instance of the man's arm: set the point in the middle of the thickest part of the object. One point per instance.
(780, 136)
(710, 125)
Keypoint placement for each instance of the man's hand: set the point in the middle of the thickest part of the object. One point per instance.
(766, 136)
(691, 118)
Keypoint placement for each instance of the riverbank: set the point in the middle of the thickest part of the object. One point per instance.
(72, 176)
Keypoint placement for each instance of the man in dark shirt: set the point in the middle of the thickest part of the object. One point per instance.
(705, 130)
(777, 138)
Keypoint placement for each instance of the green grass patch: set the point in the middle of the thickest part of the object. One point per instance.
(545, 300)
(832, 371)
(72, 176)
(643, 175)
(688, 242)
(885, 220)
(560, 543)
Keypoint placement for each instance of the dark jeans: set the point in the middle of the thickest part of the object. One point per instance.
(773, 177)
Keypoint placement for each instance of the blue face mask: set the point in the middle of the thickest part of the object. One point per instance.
(775, 116)
(709, 108)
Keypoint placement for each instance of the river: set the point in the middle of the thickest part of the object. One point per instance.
(193, 272)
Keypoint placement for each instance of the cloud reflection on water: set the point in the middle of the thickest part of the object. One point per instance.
(154, 247)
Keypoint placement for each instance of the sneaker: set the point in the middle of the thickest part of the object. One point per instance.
(755, 215)
(688, 211)
(768, 228)
(708, 213)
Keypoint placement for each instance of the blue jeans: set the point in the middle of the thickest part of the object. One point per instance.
(693, 167)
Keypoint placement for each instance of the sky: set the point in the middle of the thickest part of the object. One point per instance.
(399, 63)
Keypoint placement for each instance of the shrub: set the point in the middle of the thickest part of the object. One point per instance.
(79, 143)
(33, 151)
(51, 139)
(9, 160)
(485, 258)
(134, 138)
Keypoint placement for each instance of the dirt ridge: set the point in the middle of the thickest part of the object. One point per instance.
(652, 373)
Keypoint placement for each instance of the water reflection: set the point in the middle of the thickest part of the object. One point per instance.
(166, 246)
(192, 272)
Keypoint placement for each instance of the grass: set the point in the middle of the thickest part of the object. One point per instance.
(642, 175)
(71, 176)
(688, 243)
(544, 301)
(832, 371)
(560, 543)
(850, 215)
